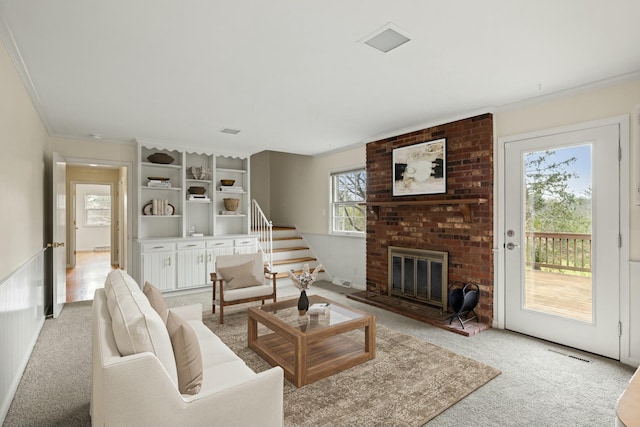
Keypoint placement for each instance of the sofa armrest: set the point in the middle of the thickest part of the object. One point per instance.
(627, 408)
(138, 391)
(189, 312)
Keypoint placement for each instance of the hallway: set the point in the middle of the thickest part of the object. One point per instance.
(88, 275)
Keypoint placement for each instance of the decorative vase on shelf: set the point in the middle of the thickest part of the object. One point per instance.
(303, 303)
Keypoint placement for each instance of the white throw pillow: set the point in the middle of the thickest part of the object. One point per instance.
(136, 326)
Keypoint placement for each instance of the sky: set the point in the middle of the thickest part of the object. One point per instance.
(581, 167)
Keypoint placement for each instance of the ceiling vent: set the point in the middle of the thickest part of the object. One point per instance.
(230, 131)
(386, 38)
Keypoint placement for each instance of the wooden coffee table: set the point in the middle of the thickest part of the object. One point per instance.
(311, 347)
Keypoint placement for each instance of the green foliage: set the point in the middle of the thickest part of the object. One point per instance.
(551, 206)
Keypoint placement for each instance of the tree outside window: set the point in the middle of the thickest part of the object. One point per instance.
(97, 210)
(348, 196)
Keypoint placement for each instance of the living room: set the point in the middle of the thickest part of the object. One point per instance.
(29, 145)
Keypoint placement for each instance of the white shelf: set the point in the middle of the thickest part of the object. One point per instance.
(161, 165)
(232, 216)
(221, 170)
(203, 181)
(204, 202)
(160, 216)
(144, 187)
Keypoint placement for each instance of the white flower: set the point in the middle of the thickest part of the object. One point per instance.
(304, 280)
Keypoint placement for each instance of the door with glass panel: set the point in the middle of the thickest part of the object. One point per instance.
(562, 238)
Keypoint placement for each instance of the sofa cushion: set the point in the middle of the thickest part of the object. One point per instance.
(137, 327)
(186, 350)
(156, 300)
(240, 276)
(213, 350)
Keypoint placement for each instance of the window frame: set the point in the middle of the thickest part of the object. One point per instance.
(334, 204)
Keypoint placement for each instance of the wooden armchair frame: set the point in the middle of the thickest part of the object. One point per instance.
(269, 275)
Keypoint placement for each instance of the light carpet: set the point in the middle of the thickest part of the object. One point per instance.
(408, 383)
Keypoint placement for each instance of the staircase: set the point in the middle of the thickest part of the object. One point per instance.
(290, 252)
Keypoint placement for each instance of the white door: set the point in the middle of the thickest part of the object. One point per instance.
(59, 216)
(562, 231)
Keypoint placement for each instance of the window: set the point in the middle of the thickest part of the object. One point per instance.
(348, 195)
(97, 209)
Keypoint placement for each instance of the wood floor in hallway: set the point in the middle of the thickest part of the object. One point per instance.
(88, 274)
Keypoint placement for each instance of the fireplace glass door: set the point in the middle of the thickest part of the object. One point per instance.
(419, 275)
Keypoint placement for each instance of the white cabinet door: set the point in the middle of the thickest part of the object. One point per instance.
(158, 268)
(247, 245)
(191, 268)
(214, 249)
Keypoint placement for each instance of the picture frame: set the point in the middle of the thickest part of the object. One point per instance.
(420, 168)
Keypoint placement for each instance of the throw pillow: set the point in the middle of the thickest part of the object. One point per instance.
(186, 350)
(156, 300)
(240, 276)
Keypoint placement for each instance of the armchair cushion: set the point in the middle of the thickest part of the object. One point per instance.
(186, 350)
(240, 276)
(156, 300)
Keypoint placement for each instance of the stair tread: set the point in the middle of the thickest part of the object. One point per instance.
(292, 248)
(293, 260)
(287, 238)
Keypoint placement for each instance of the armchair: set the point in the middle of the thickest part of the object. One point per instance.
(242, 278)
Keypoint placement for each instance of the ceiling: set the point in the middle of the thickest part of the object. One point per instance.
(294, 76)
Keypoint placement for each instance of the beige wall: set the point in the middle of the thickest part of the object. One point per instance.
(261, 180)
(25, 150)
(300, 187)
(94, 149)
(581, 107)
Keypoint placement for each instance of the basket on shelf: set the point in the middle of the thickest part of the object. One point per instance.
(231, 204)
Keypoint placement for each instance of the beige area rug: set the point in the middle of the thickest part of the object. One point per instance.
(408, 383)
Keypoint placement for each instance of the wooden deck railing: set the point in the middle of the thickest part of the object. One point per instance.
(566, 251)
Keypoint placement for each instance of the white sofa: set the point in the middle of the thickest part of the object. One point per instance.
(628, 406)
(141, 389)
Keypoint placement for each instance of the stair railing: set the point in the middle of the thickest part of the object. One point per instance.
(261, 226)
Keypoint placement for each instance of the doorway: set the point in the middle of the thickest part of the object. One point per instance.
(92, 225)
(562, 237)
(96, 232)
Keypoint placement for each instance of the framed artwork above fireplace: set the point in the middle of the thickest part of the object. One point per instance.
(420, 168)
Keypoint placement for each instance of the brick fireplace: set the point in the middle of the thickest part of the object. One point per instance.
(459, 222)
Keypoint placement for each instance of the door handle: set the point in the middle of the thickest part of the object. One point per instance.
(512, 246)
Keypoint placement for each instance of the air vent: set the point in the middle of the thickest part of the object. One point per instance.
(230, 131)
(572, 356)
(386, 38)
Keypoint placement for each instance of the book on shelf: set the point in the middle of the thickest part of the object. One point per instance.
(232, 189)
(158, 184)
(199, 197)
(230, 213)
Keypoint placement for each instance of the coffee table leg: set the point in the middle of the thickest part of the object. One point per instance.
(301, 361)
(370, 339)
(253, 330)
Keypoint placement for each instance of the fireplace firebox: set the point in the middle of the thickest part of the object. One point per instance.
(419, 274)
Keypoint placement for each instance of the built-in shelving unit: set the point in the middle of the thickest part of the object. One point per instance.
(178, 237)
